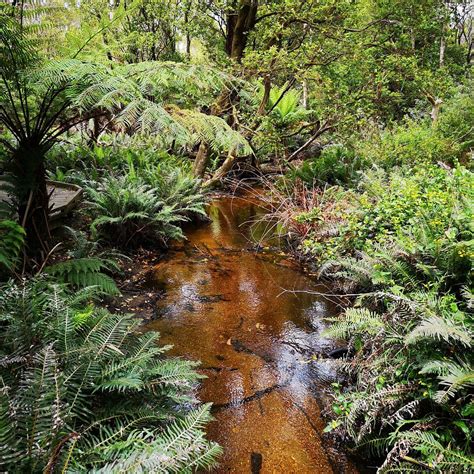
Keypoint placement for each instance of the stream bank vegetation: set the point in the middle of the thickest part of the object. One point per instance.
(358, 117)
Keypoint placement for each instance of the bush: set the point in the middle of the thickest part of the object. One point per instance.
(145, 205)
(392, 201)
(410, 342)
(335, 165)
(411, 143)
(388, 203)
(82, 390)
(410, 332)
(85, 165)
(455, 122)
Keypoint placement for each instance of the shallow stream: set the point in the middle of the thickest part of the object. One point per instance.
(253, 321)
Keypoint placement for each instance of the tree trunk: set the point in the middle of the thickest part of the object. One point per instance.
(442, 49)
(239, 25)
(202, 158)
(266, 95)
(305, 94)
(435, 107)
(29, 177)
(222, 171)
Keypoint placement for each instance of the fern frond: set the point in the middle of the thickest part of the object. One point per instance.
(438, 328)
(85, 272)
(355, 320)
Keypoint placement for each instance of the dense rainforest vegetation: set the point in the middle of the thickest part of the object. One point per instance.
(357, 119)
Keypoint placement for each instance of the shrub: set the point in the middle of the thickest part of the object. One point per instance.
(410, 333)
(411, 143)
(411, 366)
(392, 201)
(128, 211)
(455, 122)
(388, 203)
(82, 390)
(335, 165)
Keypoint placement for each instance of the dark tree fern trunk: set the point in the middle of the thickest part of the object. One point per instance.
(32, 199)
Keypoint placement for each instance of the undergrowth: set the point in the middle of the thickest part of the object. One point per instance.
(82, 390)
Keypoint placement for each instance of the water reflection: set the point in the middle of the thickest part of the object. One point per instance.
(224, 305)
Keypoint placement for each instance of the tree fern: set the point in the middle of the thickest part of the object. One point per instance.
(40, 101)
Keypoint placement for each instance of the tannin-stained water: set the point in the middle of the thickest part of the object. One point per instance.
(235, 310)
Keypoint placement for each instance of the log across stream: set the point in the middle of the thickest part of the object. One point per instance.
(226, 305)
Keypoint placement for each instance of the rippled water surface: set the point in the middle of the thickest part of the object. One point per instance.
(229, 307)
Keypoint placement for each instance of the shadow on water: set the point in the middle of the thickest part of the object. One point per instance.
(226, 305)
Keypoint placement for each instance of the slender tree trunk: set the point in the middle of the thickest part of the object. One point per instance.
(188, 36)
(239, 24)
(201, 161)
(442, 50)
(266, 95)
(222, 171)
(305, 94)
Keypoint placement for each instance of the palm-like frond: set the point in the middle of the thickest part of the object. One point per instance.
(442, 459)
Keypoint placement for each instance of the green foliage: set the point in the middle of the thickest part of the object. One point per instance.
(82, 390)
(456, 119)
(416, 141)
(335, 165)
(391, 202)
(286, 104)
(12, 237)
(411, 338)
(410, 143)
(129, 211)
(86, 272)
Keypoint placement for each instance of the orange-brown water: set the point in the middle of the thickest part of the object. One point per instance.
(227, 306)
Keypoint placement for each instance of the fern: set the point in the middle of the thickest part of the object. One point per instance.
(86, 272)
(440, 458)
(438, 328)
(454, 376)
(12, 238)
(132, 211)
(355, 321)
(87, 392)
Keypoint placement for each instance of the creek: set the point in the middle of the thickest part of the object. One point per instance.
(251, 316)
